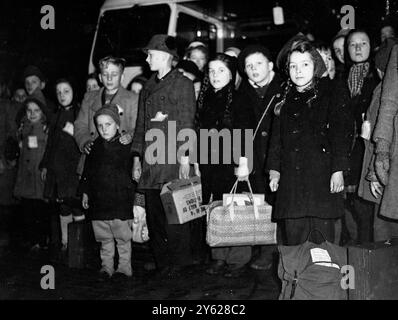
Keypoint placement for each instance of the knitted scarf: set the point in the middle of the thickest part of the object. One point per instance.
(356, 77)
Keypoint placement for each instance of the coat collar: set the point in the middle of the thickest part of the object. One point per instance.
(152, 86)
(121, 94)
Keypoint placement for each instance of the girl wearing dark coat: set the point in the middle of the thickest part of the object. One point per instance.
(60, 160)
(308, 150)
(358, 88)
(215, 113)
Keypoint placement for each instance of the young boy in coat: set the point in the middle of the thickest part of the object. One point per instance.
(108, 191)
(168, 97)
(111, 76)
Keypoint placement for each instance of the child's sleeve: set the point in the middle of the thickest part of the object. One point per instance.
(139, 134)
(274, 151)
(81, 124)
(341, 131)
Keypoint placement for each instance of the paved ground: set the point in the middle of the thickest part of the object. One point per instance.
(20, 279)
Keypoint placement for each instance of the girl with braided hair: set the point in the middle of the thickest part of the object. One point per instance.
(308, 150)
(214, 113)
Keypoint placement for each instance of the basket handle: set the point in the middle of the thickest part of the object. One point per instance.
(231, 206)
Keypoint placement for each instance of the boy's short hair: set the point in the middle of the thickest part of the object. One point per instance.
(104, 62)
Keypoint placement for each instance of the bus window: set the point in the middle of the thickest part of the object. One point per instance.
(124, 32)
(191, 29)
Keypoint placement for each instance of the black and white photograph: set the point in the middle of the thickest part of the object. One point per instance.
(197, 157)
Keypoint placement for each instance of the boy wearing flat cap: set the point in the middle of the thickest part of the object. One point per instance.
(108, 192)
(168, 96)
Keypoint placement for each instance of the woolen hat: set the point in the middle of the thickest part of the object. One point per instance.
(162, 42)
(110, 110)
(33, 71)
(251, 49)
(383, 54)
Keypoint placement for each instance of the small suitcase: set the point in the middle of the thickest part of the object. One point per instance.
(375, 269)
(78, 244)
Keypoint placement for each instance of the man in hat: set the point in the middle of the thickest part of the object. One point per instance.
(167, 99)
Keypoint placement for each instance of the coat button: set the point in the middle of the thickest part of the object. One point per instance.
(297, 168)
(92, 133)
(295, 131)
(297, 149)
(162, 98)
(148, 102)
(264, 133)
(296, 114)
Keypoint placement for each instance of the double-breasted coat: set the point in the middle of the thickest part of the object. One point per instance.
(174, 97)
(310, 141)
(84, 126)
(106, 179)
(33, 140)
(249, 108)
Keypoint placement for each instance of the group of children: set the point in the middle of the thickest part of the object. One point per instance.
(307, 113)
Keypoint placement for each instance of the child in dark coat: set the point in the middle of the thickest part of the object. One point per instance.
(108, 191)
(60, 160)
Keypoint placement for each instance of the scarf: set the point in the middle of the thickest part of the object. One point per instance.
(356, 77)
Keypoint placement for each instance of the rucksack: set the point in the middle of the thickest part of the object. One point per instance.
(312, 271)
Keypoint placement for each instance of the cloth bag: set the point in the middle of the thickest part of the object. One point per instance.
(312, 271)
(240, 225)
(139, 226)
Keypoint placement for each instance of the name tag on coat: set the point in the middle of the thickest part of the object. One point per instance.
(69, 128)
(32, 142)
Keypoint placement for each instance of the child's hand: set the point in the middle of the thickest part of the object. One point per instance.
(87, 147)
(183, 172)
(137, 170)
(43, 174)
(85, 201)
(376, 188)
(126, 138)
(337, 182)
(274, 177)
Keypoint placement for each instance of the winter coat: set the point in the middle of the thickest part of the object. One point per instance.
(368, 158)
(249, 108)
(174, 96)
(85, 129)
(309, 142)
(217, 178)
(358, 107)
(387, 129)
(61, 157)
(107, 180)
(29, 184)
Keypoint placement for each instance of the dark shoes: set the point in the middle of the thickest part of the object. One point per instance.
(218, 267)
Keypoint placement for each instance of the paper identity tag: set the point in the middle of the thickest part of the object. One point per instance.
(32, 142)
(321, 257)
(365, 130)
(69, 128)
(159, 117)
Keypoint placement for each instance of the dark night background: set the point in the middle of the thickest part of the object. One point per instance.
(65, 50)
